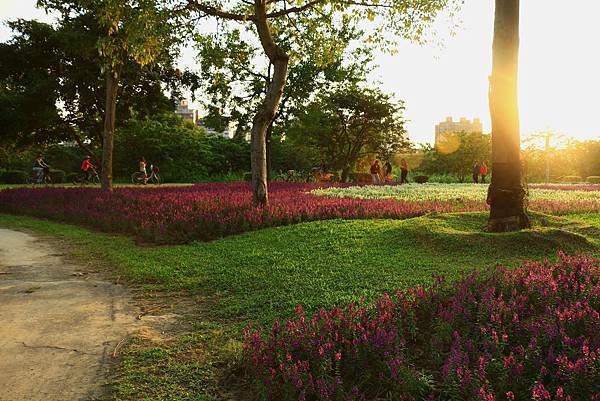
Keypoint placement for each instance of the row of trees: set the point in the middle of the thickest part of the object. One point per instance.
(300, 38)
(455, 153)
(140, 32)
(61, 72)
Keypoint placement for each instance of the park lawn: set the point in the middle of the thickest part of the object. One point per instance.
(263, 275)
(257, 277)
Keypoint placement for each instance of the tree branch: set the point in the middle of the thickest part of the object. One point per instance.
(366, 4)
(292, 10)
(210, 10)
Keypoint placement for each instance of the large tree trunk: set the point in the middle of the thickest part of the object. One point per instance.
(112, 85)
(506, 194)
(345, 174)
(268, 150)
(266, 112)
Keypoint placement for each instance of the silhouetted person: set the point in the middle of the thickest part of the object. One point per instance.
(375, 171)
(403, 171)
(476, 168)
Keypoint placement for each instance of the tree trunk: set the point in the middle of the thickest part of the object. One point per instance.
(547, 157)
(268, 108)
(345, 174)
(506, 195)
(112, 85)
(268, 150)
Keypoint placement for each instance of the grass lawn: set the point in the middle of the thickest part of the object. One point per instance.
(260, 276)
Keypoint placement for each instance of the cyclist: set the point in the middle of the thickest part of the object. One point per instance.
(142, 167)
(86, 166)
(39, 166)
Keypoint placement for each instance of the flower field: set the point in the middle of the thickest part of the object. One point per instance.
(553, 199)
(525, 334)
(204, 211)
(209, 211)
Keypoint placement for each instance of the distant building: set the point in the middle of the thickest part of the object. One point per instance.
(186, 113)
(463, 125)
(225, 133)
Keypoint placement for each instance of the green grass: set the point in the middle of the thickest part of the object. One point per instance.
(263, 275)
(259, 276)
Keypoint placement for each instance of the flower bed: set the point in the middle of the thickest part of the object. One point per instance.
(208, 211)
(552, 199)
(524, 334)
(204, 211)
(567, 187)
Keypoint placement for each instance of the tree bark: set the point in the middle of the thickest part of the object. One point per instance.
(266, 112)
(112, 85)
(268, 150)
(345, 174)
(506, 195)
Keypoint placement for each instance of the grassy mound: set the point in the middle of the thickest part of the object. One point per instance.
(263, 275)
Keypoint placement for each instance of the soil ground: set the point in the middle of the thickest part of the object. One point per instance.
(61, 325)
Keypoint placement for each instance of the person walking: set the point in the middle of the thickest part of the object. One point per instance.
(375, 171)
(476, 169)
(403, 172)
(483, 171)
(387, 171)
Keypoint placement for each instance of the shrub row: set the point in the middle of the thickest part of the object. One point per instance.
(592, 179)
(20, 176)
(524, 334)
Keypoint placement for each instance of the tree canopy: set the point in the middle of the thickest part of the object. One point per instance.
(56, 72)
(349, 123)
(274, 21)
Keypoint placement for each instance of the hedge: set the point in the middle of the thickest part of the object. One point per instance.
(14, 177)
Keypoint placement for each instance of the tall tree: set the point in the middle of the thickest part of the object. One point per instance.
(130, 30)
(56, 70)
(506, 194)
(349, 123)
(269, 17)
(455, 153)
(235, 79)
(547, 138)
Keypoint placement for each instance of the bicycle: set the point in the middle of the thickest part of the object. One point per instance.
(94, 178)
(140, 178)
(33, 178)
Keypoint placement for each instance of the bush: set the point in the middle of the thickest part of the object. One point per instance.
(71, 177)
(14, 177)
(57, 176)
(248, 176)
(525, 334)
(438, 178)
(184, 153)
(571, 178)
(421, 179)
(593, 179)
(360, 177)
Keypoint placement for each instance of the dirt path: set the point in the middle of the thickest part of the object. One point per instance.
(58, 327)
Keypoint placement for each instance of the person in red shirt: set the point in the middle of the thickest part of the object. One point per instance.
(86, 166)
(483, 170)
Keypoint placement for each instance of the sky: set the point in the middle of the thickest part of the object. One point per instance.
(559, 73)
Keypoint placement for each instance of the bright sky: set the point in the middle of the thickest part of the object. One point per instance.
(559, 68)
